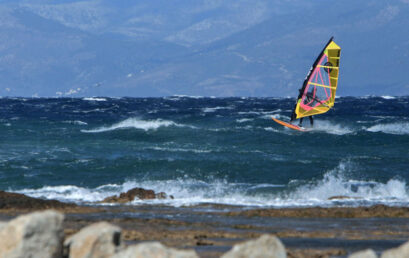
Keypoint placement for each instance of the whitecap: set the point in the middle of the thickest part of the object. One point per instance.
(243, 120)
(136, 124)
(76, 122)
(95, 99)
(336, 182)
(214, 109)
(178, 149)
(388, 97)
(70, 193)
(392, 128)
(190, 191)
(271, 129)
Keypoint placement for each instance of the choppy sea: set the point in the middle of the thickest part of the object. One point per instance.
(206, 150)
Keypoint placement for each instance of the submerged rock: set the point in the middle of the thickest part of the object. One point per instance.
(399, 252)
(99, 240)
(154, 250)
(18, 201)
(140, 193)
(266, 246)
(368, 253)
(38, 234)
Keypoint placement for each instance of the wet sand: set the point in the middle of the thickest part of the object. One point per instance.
(213, 229)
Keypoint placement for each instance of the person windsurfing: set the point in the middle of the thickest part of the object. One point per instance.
(317, 94)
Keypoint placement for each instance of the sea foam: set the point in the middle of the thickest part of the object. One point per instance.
(329, 127)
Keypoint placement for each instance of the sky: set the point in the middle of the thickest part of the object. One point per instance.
(222, 48)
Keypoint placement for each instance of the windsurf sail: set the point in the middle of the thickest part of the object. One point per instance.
(317, 95)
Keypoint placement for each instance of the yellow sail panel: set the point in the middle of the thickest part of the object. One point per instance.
(317, 95)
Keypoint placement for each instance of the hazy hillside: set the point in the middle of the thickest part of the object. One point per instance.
(210, 48)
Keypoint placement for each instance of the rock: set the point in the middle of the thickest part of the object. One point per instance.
(154, 250)
(399, 252)
(39, 234)
(137, 192)
(17, 201)
(368, 253)
(265, 246)
(163, 195)
(98, 240)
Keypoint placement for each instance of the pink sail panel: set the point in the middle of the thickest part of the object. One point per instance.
(318, 88)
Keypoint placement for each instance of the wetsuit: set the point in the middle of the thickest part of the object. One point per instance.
(311, 121)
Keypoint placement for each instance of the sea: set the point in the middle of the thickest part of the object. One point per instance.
(206, 150)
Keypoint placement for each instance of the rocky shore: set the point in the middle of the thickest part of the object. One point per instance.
(30, 229)
(41, 234)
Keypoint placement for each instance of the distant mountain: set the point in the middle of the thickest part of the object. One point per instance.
(204, 47)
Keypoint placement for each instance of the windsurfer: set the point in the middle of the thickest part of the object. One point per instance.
(309, 98)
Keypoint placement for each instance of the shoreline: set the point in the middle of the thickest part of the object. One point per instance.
(211, 234)
(212, 230)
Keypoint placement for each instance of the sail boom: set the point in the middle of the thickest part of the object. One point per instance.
(322, 85)
(328, 67)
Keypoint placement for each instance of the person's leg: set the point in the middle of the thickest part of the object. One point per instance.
(311, 121)
(300, 123)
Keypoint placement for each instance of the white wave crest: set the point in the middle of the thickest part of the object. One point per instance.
(243, 120)
(76, 122)
(178, 150)
(136, 124)
(392, 128)
(186, 191)
(337, 183)
(388, 97)
(95, 99)
(71, 193)
(214, 109)
(271, 129)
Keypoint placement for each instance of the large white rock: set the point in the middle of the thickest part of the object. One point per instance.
(154, 250)
(266, 246)
(98, 240)
(399, 252)
(39, 234)
(368, 253)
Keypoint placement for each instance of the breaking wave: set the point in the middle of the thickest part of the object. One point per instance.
(392, 128)
(337, 185)
(335, 188)
(136, 124)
